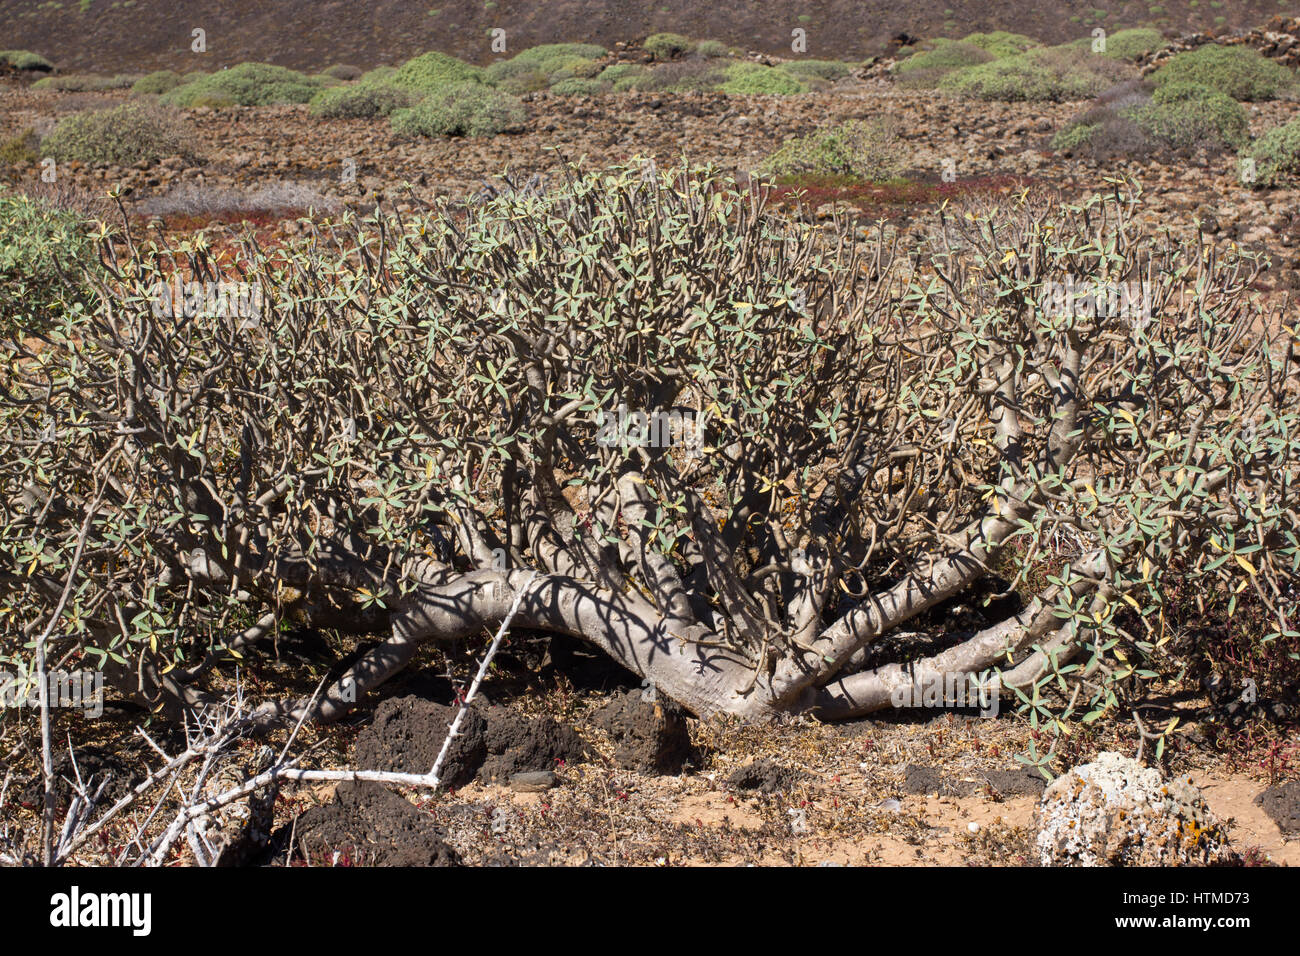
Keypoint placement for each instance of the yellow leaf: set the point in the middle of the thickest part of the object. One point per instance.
(1245, 565)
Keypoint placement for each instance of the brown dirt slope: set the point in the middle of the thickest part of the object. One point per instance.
(136, 35)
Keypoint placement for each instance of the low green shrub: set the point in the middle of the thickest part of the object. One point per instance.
(712, 49)
(1186, 115)
(861, 149)
(1129, 120)
(1001, 43)
(925, 68)
(1042, 74)
(668, 46)
(21, 149)
(42, 251)
(248, 84)
(344, 71)
(544, 52)
(158, 82)
(26, 60)
(434, 71)
(825, 70)
(516, 76)
(1131, 44)
(379, 74)
(84, 83)
(747, 78)
(1277, 155)
(124, 134)
(471, 109)
(361, 100)
(580, 86)
(1238, 71)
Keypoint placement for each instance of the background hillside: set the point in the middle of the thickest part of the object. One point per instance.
(105, 35)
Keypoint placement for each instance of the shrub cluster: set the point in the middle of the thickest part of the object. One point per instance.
(159, 82)
(362, 100)
(471, 109)
(1277, 155)
(1238, 71)
(25, 60)
(84, 83)
(123, 134)
(860, 149)
(1132, 120)
(248, 84)
(746, 77)
(434, 71)
(668, 46)
(41, 250)
(1041, 74)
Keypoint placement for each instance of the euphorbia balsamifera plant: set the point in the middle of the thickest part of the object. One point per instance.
(818, 441)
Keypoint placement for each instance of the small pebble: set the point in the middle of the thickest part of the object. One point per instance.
(532, 781)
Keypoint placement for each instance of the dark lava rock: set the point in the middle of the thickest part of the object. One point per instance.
(1020, 782)
(765, 776)
(649, 735)
(371, 826)
(1282, 803)
(407, 733)
(493, 743)
(123, 771)
(517, 744)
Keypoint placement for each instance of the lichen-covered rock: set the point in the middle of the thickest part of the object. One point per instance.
(1116, 812)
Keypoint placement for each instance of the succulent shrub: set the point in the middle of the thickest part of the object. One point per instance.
(712, 49)
(864, 150)
(20, 149)
(416, 435)
(124, 134)
(1045, 74)
(577, 86)
(1131, 44)
(668, 46)
(361, 100)
(825, 70)
(472, 109)
(1001, 43)
(1130, 120)
(248, 84)
(516, 76)
(544, 54)
(746, 78)
(924, 69)
(344, 71)
(434, 71)
(25, 60)
(158, 82)
(43, 250)
(84, 83)
(1239, 71)
(1185, 115)
(1277, 155)
(623, 76)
